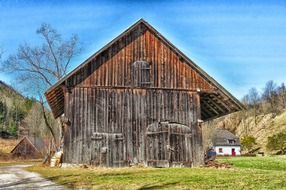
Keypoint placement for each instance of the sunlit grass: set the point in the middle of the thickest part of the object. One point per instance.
(247, 173)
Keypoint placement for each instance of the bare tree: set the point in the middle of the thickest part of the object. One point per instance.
(37, 68)
(244, 113)
(254, 101)
(270, 95)
(282, 95)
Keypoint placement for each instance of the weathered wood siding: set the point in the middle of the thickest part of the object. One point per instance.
(109, 126)
(114, 66)
(136, 82)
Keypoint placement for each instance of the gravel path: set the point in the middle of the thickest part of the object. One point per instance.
(16, 177)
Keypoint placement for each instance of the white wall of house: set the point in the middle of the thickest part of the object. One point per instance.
(227, 150)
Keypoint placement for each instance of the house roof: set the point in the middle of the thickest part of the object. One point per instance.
(221, 137)
(214, 105)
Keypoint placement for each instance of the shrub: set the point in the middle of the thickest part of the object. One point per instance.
(277, 142)
(248, 142)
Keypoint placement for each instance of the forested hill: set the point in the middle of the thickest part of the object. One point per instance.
(16, 110)
(7, 88)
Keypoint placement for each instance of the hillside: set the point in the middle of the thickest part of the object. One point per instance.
(19, 114)
(266, 126)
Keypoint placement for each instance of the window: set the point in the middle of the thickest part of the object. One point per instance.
(220, 150)
(231, 141)
(141, 73)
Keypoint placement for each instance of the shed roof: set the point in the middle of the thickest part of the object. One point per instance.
(27, 141)
(215, 104)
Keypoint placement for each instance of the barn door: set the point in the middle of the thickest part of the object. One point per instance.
(157, 147)
(107, 150)
(99, 149)
(180, 150)
(116, 150)
(168, 145)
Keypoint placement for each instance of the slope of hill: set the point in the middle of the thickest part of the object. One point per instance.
(266, 126)
(16, 111)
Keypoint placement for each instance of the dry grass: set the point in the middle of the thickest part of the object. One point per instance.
(6, 145)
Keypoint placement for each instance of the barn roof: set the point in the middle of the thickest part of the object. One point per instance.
(221, 137)
(213, 105)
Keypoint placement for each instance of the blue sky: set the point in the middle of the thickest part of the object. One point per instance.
(241, 44)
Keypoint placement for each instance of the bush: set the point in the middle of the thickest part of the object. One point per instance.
(248, 142)
(277, 142)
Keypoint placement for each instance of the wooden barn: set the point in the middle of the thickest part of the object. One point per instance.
(26, 149)
(137, 100)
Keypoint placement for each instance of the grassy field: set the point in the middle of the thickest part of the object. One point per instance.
(246, 173)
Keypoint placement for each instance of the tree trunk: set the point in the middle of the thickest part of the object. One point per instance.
(47, 123)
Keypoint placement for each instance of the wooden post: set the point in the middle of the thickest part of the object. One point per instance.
(198, 154)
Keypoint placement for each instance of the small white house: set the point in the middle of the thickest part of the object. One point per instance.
(225, 143)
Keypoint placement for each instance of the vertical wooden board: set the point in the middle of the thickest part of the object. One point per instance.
(112, 61)
(124, 121)
(88, 124)
(155, 63)
(133, 48)
(76, 131)
(176, 76)
(158, 62)
(109, 69)
(192, 79)
(142, 126)
(92, 64)
(72, 116)
(124, 62)
(105, 112)
(148, 45)
(101, 72)
(128, 125)
(187, 75)
(115, 108)
(134, 126)
(167, 67)
(81, 125)
(144, 47)
(128, 61)
(179, 85)
(183, 75)
(120, 64)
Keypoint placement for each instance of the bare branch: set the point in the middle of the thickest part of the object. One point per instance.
(37, 68)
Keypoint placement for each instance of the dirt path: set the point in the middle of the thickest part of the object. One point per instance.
(16, 177)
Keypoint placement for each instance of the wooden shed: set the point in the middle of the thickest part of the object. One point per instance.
(25, 149)
(137, 100)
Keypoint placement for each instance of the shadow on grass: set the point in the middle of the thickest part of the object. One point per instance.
(67, 183)
(157, 186)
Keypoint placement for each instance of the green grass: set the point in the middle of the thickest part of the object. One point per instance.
(247, 173)
(275, 163)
